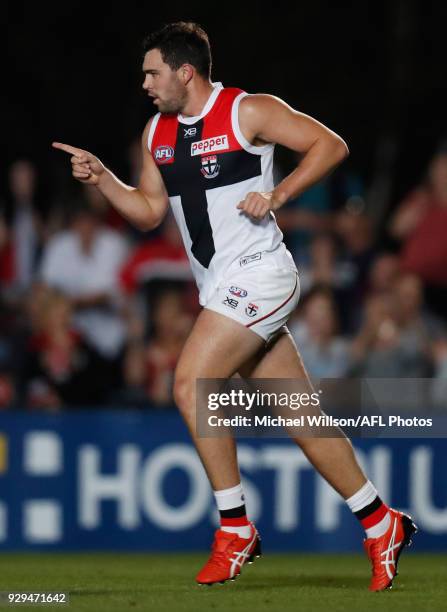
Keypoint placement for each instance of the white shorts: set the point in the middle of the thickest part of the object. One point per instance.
(260, 291)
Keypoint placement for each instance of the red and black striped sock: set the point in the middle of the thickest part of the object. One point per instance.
(370, 510)
(233, 515)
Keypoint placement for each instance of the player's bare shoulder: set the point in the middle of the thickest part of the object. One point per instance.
(265, 118)
(259, 103)
(255, 110)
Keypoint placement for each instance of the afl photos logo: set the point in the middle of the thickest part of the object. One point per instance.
(210, 167)
(163, 154)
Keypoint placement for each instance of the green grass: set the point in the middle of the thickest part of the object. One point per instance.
(165, 583)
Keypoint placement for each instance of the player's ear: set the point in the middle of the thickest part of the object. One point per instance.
(186, 73)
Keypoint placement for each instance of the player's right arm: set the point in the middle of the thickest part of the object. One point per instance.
(144, 206)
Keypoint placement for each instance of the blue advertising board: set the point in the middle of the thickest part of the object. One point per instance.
(128, 480)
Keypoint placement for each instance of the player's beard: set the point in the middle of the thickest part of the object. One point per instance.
(175, 103)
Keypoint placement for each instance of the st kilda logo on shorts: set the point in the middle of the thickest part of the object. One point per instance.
(238, 292)
(210, 167)
(163, 154)
(251, 310)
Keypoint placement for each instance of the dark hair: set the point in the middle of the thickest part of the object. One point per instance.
(182, 43)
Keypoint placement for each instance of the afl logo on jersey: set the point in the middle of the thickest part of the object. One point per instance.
(163, 154)
(210, 167)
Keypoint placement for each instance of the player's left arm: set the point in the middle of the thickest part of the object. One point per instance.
(267, 119)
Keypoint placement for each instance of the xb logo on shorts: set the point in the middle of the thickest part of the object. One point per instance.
(189, 132)
(230, 302)
(210, 167)
(163, 154)
(238, 292)
(251, 310)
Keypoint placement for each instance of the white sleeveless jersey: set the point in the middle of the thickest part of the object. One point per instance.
(208, 167)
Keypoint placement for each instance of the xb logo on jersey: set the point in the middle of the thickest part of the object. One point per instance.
(210, 167)
(163, 154)
(189, 132)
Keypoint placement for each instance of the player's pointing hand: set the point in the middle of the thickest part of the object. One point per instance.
(85, 167)
(257, 205)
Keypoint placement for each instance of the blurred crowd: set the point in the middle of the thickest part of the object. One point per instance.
(94, 313)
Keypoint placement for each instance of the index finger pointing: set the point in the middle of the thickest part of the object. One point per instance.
(68, 148)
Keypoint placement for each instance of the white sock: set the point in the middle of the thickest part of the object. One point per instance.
(365, 496)
(227, 499)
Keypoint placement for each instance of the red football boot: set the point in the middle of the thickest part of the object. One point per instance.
(228, 555)
(384, 552)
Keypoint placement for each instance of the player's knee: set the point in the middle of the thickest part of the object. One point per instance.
(183, 393)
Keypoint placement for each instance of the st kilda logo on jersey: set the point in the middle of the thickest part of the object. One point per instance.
(210, 167)
(251, 310)
(163, 154)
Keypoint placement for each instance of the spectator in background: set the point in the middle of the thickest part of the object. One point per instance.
(420, 223)
(94, 199)
(158, 258)
(390, 344)
(25, 225)
(151, 366)
(313, 211)
(327, 266)
(418, 328)
(355, 230)
(83, 263)
(7, 389)
(324, 266)
(439, 384)
(379, 281)
(374, 349)
(303, 217)
(133, 392)
(6, 256)
(61, 368)
(10, 312)
(324, 352)
(383, 274)
(156, 261)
